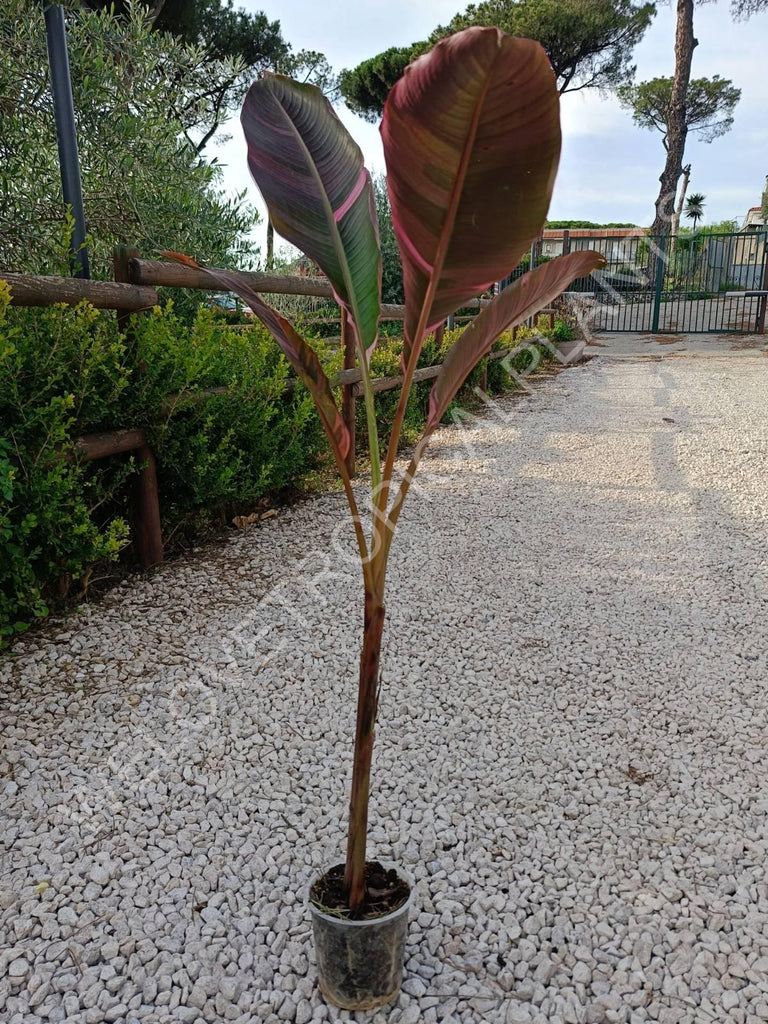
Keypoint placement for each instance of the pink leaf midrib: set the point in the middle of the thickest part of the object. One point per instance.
(357, 190)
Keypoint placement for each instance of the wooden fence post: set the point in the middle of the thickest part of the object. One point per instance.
(149, 540)
(347, 390)
(150, 537)
(121, 269)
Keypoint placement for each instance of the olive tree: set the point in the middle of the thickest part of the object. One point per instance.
(143, 100)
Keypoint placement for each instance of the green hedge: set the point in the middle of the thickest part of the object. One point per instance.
(66, 371)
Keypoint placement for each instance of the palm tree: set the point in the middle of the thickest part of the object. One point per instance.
(694, 207)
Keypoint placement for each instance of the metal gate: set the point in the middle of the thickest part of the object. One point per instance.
(688, 284)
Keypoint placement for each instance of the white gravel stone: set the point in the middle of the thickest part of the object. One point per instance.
(18, 970)
(570, 748)
(99, 875)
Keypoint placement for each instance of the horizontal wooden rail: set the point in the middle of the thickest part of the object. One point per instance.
(379, 384)
(99, 446)
(175, 275)
(149, 538)
(34, 290)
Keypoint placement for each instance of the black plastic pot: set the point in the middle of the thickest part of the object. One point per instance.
(360, 963)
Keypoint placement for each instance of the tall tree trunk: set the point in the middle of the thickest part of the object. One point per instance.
(681, 200)
(155, 10)
(677, 128)
(676, 215)
(270, 245)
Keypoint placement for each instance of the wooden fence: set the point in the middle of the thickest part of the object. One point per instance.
(134, 290)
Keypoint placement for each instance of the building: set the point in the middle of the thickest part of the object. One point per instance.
(755, 220)
(736, 262)
(616, 244)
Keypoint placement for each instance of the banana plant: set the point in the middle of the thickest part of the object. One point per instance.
(471, 136)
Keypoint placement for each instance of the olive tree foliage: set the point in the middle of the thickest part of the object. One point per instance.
(589, 44)
(709, 105)
(142, 99)
(251, 40)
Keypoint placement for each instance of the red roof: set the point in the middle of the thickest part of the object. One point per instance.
(596, 232)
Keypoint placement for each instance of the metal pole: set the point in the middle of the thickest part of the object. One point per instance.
(661, 260)
(64, 110)
(763, 301)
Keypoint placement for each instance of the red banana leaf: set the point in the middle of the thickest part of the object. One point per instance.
(319, 195)
(471, 137)
(299, 354)
(522, 299)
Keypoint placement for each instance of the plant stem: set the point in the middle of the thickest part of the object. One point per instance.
(370, 407)
(373, 430)
(397, 425)
(367, 703)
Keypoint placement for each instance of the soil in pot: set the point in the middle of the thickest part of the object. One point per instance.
(360, 954)
(385, 891)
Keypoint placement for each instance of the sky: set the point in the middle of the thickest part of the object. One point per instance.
(609, 168)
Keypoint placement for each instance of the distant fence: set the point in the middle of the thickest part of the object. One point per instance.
(134, 290)
(670, 284)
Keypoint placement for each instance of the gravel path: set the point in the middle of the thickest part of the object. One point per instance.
(571, 758)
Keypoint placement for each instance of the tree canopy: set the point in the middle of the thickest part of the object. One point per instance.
(709, 105)
(743, 9)
(563, 224)
(223, 29)
(366, 87)
(589, 44)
